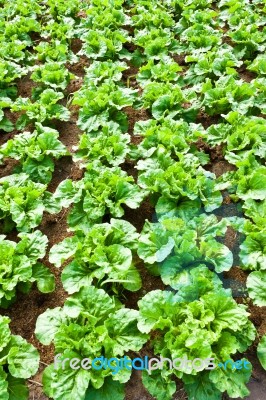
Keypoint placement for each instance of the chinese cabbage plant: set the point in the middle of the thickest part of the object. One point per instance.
(19, 361)
(20, 266)
(90, 324)
(211, 326)
(103, 256)
(102, 191)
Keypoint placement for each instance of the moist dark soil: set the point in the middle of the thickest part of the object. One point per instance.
(7, 167)
(207, 120)
(129, 76)
(134, 116)
(245, 74)
(180, 59)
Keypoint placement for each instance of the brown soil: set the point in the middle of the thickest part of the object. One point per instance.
(258, 317)
(207, 120)
(76, 45)
(238, 274)
(216, 156)
(7, 167)
(246, 75)
(129, 77)
(228, 40)
(133, 116)
(78, 67)
(180, 59)
(130, 47)
(220, 167)
(135, 389)
(74, 85)
(25, 86)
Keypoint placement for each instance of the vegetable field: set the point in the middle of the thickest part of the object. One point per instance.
(132, 198)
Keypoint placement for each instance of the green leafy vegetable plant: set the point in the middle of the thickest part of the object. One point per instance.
(108, 145)
(175, 181)
(52, 75)
(261, 351)
(22, 202)
(102, 190)
(103, 255)
(36, 152)
(43, 110)
(20, 266)
(175, 246)
(19, 361)
(91, 324)
(212, 326)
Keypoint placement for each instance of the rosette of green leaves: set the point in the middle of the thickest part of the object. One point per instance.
(27, 8)
(256, 284)
(252, 183)
(103, 255)
(175, 181)
(198, 13)
(156, 42)
(175, 246)
(248, 40)
(253, 249)
(22, 202)
(103, 104)
(55, 51)
(166, 70)
(5, 124)
(167, 100)
(259, 84)
(246, 13)
(228, 95)
(199, 38)
(216, 62)
(36, 152)
(253, 258)
(90, 324)
(114, 16)
(256, 210)
(9, 71)
(44, 109)
(20, 266)
(16, 51)
(151, 15)
(213, 326)
(176, 136)
(258, 65)
(63, 29)
(51, 75)
(61, 8)
(108, 145)
(17, 24)
(248, 184)
(102, 191)
(19, 361)
(105, 44)
(101, 71)
(242, 136)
